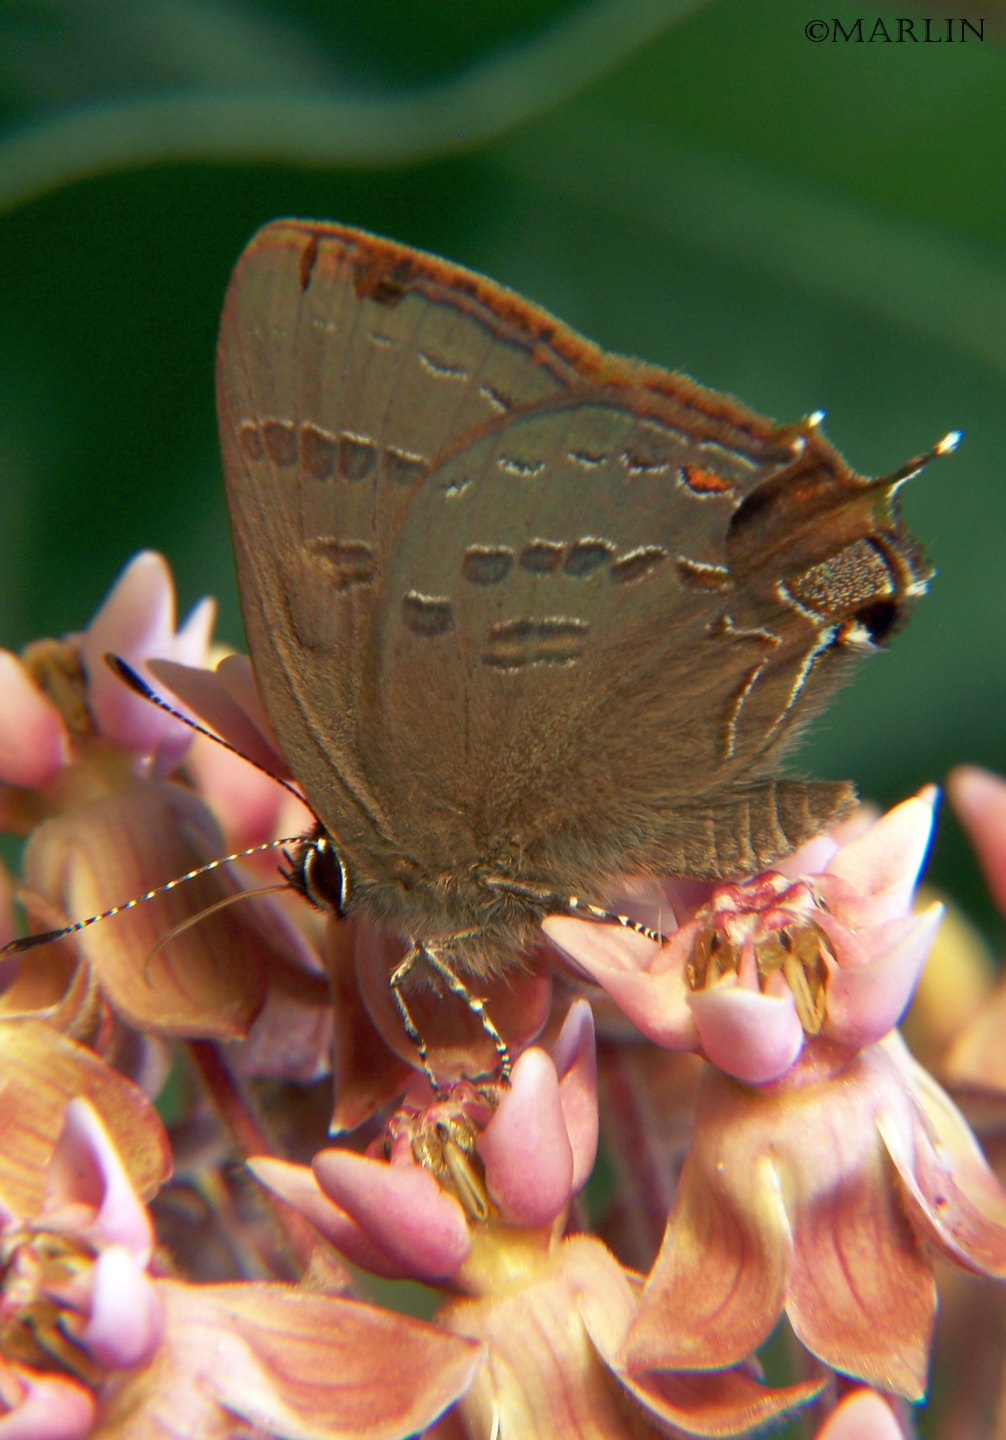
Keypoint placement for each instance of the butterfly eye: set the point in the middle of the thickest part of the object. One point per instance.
(317, 872)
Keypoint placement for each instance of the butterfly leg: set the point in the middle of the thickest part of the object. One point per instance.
(477, 1007)
(573, 905)
(456, 986)
(395, 981)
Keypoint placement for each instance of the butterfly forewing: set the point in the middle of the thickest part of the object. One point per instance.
(335, 401)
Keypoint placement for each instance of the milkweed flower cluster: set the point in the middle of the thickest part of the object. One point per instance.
(777, 1160)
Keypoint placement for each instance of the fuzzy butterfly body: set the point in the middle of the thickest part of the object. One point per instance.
(525, 615)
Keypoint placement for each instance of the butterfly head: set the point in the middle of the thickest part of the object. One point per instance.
(833, 541)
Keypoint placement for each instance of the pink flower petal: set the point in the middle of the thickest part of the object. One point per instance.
(192, 640)
(862, 1415)
(952, 1194)
(135, 621)
(206, 694)
(238, 679)
(401, 1209)
(719, 1283)
(42, 1071)
(525, 1147)
(606, 1298)
(751, 1036)
(865, 1002)
(574, 1055)
(291, 1037)
(543, 1379)
(786, 1198)
(884, 863)
(950, 1134)
(125, 1324)
(53, 1408)
(862, 1295)
(298, 1186)
(33, 738)
(945, 1215)
(290, 1362)
(245, 801)
(87, 1183)
(722, 1402)
(979, 797)
(646, 981)
(811, 859)
(209, 979)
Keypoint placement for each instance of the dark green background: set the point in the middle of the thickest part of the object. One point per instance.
(804, 225)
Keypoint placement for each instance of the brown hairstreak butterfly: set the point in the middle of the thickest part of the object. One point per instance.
(525, 615)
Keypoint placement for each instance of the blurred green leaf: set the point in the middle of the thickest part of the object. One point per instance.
(804, 234)
(279, 116)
